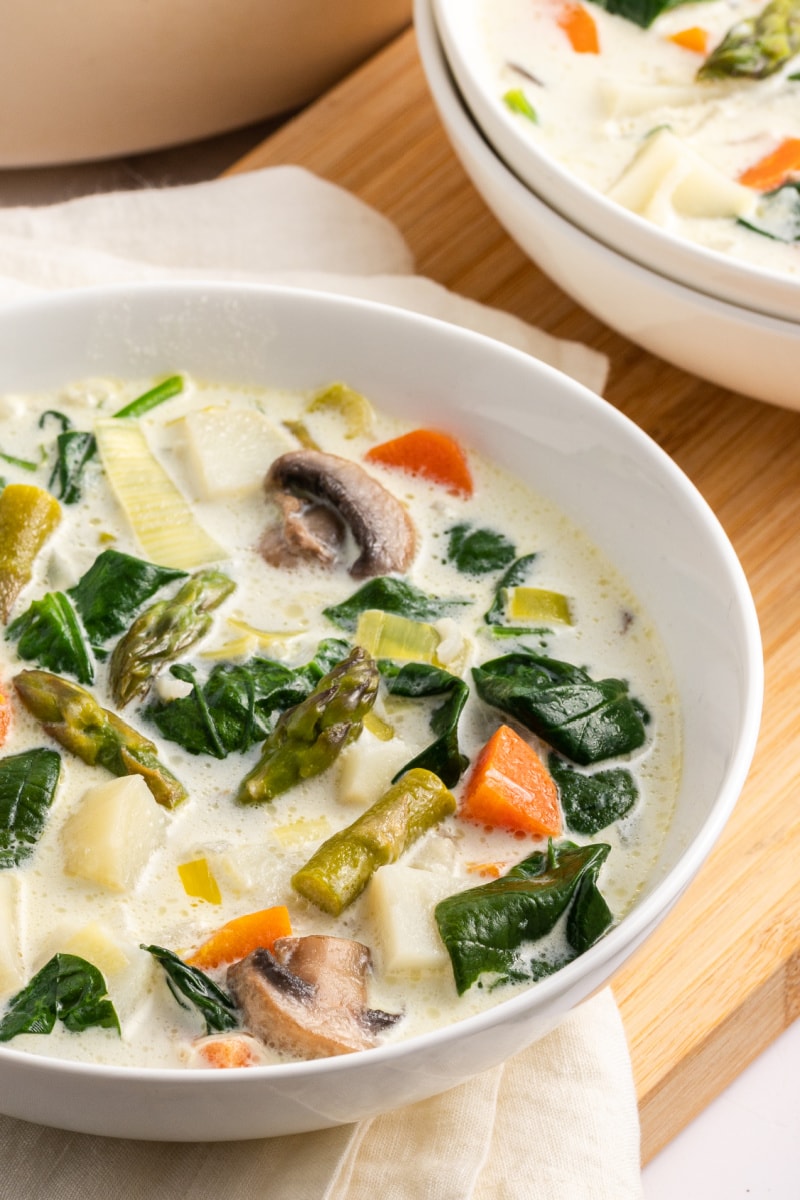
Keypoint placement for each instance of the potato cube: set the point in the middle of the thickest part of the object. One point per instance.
(112, 833)
(367, 767)
(97, 945)
(402, 900)
(230, 450)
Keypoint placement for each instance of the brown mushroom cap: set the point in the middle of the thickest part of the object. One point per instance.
(309, 996)
(378, 521)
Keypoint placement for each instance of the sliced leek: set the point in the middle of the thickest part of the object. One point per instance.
(537, 604)
(198, 881)
(160, 516)
(388, 635)
(356, 410)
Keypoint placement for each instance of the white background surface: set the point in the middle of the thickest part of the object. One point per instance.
(746, 1145)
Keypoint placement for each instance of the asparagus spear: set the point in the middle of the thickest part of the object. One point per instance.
(308, 737)
(164, 631)
(70, 714)
(759, 46)
(28, 515)
(343, 865)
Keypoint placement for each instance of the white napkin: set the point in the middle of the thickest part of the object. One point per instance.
(557, 1122)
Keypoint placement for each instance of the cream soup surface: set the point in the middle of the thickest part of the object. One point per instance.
(252, 851)
(634, 122)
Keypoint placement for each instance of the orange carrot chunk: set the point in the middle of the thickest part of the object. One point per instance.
(5, 712)
(580, 28)
(693, 38)
(775, 168)
(241, 936)
(510, 786)
(427, 452)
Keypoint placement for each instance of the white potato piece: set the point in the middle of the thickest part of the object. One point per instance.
(667, 176)
(10, 963)
(97, 944)
(366, 768)
(402, 900)
(112, 833)
(623, 99)
(230, 450)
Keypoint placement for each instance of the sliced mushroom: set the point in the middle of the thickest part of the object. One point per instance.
(378, 521)
(309, 996)
(306, 530)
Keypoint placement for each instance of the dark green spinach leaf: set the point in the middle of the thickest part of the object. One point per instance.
(239, 702)
(49, 632)
(417, 680)
(584, 719)
(515, 576)
(68, 989)
(109, 595)
(190, 984)
(476, 551)
(28, 784)
(593, 802)
(641, 12)
(388, 594)
(777, 214)
(492, 929)
(75, 448)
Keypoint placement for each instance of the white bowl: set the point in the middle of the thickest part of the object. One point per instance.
(727, 344)
(86, 80)
(709, 271)
(598, 466)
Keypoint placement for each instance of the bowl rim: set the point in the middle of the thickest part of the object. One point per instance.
(636, 924)
(655, 248)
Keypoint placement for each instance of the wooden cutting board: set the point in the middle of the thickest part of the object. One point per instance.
(721, 978)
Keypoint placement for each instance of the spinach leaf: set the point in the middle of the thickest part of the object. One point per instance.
(641, 12)
(25, 463)
(478, 551)
(68, 989)
(27, 786)
(109, 595)
(777, 214)
(49, 632)
(415, 680)
(490, 929)
(513, 577)
(239, 702)
(593, 802)
(584, 719)
(190, 984)
(74, 449)
(389, 594)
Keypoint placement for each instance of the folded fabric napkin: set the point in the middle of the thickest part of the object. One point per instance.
(557, 1122)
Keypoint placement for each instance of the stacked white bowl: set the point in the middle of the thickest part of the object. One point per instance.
(726, 320)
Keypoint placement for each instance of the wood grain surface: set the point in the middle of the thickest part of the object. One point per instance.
(720, 979)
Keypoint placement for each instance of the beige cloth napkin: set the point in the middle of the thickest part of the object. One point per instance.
(557, 1122)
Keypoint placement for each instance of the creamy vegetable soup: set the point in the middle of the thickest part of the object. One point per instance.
(687, 114)
(319, 731)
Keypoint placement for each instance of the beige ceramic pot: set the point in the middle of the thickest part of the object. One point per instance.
(85, 80)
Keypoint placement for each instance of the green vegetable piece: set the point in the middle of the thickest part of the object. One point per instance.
(75, 449)
(28, 784)
(28, 515)
(516, 100)
(391, 595)
(537, 604)
(190, 984)
(586, 720)
(67, 989)
(73, 717)
(777, 214)
(24, 463)
(109, 595)
(493, 929)
(515, 575)
(237, 704)
(343, 865)
(164, 631)
(416, 681)
(641, 12)
(478, 551)
(757, 47)
(151, 399)
(592, 802)
(308, 737)
(49, 632)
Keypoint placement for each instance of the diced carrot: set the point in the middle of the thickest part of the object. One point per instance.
(5, 712)
(427, 452)
(233, 1050)
(580, 28)
(239, 937)
(489, 870)
(774, 168)
(510, 786)
(693, 38)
